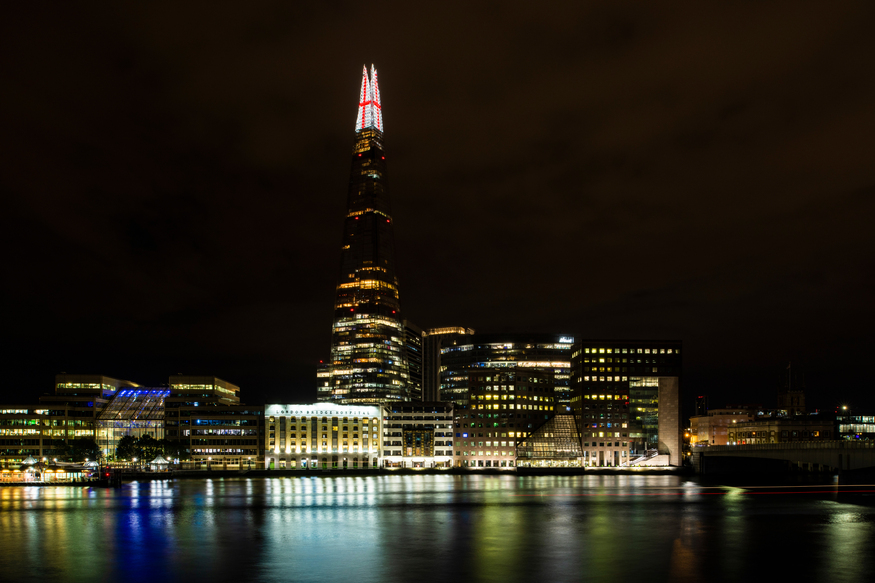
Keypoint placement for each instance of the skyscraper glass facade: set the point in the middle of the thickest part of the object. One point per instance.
(368, 354)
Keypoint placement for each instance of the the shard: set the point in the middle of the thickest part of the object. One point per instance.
(368, 362)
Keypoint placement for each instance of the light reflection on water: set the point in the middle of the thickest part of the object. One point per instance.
(432, 528)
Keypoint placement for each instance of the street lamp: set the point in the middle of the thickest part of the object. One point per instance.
(135, 463)
(209, 459)
(250, 462)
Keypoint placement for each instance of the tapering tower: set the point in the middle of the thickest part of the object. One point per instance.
(368, 361)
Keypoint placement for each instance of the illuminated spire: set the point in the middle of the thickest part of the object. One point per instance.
(370, 113)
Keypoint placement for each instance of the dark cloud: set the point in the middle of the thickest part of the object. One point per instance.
(175, 177)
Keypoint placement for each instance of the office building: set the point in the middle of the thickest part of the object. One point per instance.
(368, 354)
(627, 399)
(42, 430)
(413, 336)
(525, 352)
(504, 405)
(434, 340)
(418, 435)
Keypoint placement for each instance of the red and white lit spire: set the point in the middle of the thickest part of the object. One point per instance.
(370, 114)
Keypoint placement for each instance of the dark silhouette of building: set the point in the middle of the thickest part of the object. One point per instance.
(368, 354)
(791, 394)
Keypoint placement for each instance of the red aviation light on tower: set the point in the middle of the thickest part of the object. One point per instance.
(370, 113)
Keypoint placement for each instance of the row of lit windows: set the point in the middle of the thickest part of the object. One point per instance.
(519, 407)
(629, 351)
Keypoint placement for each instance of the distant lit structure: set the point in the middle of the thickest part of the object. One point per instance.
(368, 353)
(712, 428)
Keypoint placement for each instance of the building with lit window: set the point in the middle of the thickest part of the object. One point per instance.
(464, 355)
(413, 336)
(781, 429)
(712, 428)
(627, 400)
(212, 427)
(504, 406)
(322, 436)
(134, 412)
(433, 341)
(555, 444)
(418, 435)
(41, 430)
(368, 354)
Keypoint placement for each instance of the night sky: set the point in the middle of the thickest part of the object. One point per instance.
(174, 184)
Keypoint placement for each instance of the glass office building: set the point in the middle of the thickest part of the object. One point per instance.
(368, 352)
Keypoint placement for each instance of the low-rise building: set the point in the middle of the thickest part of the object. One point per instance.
(783, 430)
(712, 427)
(418, 435)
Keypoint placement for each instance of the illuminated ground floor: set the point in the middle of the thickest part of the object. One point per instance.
(320, 461)
(438, 461)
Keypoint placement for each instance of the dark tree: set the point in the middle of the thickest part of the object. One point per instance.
(79, 449)
(128, 448)
(149, 447)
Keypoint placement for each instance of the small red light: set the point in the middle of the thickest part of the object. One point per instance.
(356, 218)
(383, 157)
(351, 310)
(388, 221)
(360, 155)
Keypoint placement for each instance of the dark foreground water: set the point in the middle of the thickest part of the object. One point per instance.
(436, 528)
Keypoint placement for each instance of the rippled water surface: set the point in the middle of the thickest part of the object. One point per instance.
(435, 528)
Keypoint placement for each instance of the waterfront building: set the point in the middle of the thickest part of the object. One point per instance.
(434, 340)
(418, 435)
(504, 405)
(134, 412)
(540, 352)
(779, 429)
(322, 436)
(213, 429)
(25, 430)
(368, 355)
(627, 400)
(555, 444)
(712, 428)
(42, 430)
(854, 426)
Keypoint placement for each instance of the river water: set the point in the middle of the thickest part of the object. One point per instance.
(443, 528)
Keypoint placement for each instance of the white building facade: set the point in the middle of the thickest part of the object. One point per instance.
(323, 436)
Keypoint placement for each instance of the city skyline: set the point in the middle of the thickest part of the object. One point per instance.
(697, 176)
